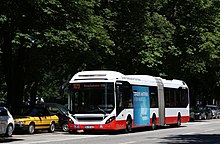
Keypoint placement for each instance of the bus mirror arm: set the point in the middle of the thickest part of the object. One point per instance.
(62, 88)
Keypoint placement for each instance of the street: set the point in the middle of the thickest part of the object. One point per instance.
(202, 132)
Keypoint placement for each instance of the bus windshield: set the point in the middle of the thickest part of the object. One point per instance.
(90, 98)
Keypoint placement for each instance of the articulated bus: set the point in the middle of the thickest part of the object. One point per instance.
(109, 100)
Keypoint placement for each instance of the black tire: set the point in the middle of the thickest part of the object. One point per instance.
(179, 121)
(128, 125)
(154, 125)
(52, 128)
(9, 131)
(31, 128)
(205, 117)
(65, 127)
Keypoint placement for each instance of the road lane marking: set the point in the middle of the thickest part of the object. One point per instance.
(63, 139)
(190, 133)
(209, 130)
(128, 142)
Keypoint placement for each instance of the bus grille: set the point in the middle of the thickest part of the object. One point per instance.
(81, 119)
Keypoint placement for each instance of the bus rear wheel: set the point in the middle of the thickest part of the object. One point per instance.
(179, 121)
(154, 125)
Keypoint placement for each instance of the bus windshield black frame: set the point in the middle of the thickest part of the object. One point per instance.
(93, 98)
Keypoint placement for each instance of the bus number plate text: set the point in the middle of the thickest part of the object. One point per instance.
(88, 127)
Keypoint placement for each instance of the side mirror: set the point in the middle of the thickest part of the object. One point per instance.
(62, 88)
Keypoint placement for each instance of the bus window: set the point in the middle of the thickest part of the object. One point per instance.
(93, 98)
(128, 96)
(176, 97)
(153, 97)
(184, 98)
(123, 96)
(167, 97)
(172, 98)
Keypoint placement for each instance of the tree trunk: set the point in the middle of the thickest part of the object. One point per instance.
(33, 93)
(7, 62)
(13, 65)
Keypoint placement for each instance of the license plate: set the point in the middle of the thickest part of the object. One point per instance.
(88, 127)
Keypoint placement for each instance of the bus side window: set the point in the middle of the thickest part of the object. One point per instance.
(167, 97)
(127, 96)
(153, 97)
(119, 98)
(123, 96)
(184, 97)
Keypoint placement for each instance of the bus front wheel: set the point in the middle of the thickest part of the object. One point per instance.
(128, 125)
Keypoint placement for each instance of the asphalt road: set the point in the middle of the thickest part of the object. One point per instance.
(203, 132)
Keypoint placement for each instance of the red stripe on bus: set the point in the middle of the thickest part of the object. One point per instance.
(121, 124)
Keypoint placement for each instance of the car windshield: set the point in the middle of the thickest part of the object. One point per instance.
(64, 109)
(93, 97)
(3, 112)
(57, 108)
(212, 107)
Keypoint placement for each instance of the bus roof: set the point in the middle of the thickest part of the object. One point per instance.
(96, 75)
(105, 75)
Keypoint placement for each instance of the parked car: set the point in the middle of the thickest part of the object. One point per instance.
(61, 111)
(6, 122)
(2, 103)
(199, 113)
(208, 112)
(192, 114)
(215, 110)
(35, 118)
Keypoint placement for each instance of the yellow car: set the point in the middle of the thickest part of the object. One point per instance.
(36, 118)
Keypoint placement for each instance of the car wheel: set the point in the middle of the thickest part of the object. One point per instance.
(31, 128)
(52, 128)
(9, 131)
(65, 127)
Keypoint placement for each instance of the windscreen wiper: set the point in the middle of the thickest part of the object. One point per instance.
(101, 110)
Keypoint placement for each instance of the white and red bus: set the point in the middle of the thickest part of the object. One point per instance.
(109, 100)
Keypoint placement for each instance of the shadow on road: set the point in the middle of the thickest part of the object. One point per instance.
(8, 139)
(119, 132)
(192, 139)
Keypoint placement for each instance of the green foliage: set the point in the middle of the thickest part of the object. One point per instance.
(196, 37)
(43, 43)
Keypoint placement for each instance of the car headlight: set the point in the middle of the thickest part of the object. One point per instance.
(20, 122)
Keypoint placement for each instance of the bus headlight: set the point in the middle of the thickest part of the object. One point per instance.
(71, 121)
(110, 119)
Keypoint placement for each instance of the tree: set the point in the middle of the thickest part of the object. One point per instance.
(141, 35)
(42, 41)
(195, 41)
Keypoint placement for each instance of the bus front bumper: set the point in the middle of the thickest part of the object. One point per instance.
(110, 126)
